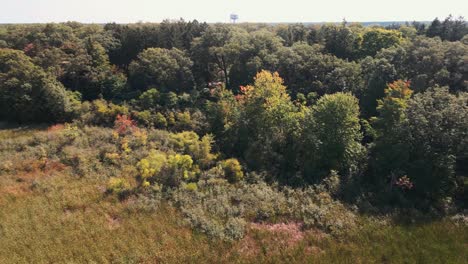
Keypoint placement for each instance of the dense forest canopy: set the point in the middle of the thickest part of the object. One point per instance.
(377, 105)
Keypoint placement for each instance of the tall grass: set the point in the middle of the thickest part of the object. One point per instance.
(68, 220)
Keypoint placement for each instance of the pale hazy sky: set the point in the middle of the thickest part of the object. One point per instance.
(125, 11)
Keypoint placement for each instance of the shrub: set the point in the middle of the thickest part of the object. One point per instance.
(150, 119)
(262, 202)
(232, 170)
(215, 172)
(179, 168)
(331, 183)
(152, 164)
(118, 186)
(100, 112)
(183, 121)
(145, 203)
(139, 138)
(96, 136)
(124, 125)
(71, 132)
(222, 210)
(190, 143)
(170, 170)
(144, 118)
(235, 228)
(318, 209)
(198, 219)
(149, 99)
(84, 161)
(190, 186)
(159, 120)
(210, 212)
(112, 158)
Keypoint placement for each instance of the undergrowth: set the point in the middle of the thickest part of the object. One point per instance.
(77, 195)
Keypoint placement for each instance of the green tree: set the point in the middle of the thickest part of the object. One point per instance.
(103, 79)
(435, 29)
(27, 93)
(125, 42)
(84, 67)
(223, 115)
(306, 69)
(439, 137)
(169, 70)
(209, 54)
(376, 39)
(217, 51)
(150, 99)
(425, 62)
(377, 74)
(450, 29)
(390, 153)
(270, 124)
(292, 33)
(341, 40)
(431, 62)
(259, 53)
(232, 170)
(332, 137)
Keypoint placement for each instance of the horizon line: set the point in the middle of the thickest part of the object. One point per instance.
(220, 22)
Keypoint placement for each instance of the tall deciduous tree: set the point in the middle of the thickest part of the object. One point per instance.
(332, 136)
(306, 69)
(269, 123)
(27, 93)
(437, 121)
(168, 70)
(390, 153)
(376, 39)
(217, 50)
(341, 40)
(223, 115)
(292, 33)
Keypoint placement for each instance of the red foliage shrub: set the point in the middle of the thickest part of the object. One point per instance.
(124, 124)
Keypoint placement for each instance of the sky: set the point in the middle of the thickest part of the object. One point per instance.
(128, 11)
